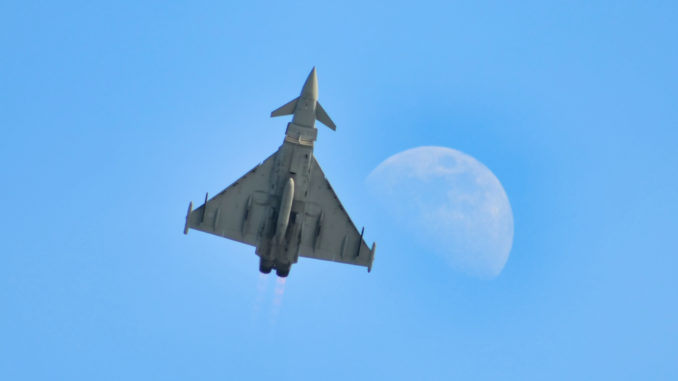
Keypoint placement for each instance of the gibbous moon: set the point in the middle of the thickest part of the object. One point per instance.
(451, 203)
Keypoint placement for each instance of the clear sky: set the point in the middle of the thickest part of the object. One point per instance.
(114, 115)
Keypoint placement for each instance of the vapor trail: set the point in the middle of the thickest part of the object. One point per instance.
(278, 294)
(259, 299)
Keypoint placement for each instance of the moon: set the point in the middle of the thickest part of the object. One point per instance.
(452, 203)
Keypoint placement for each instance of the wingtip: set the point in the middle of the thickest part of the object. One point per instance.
(188, 216)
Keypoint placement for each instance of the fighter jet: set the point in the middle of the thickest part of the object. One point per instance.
(285, 206)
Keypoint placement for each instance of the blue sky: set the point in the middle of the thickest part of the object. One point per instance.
(114, 115)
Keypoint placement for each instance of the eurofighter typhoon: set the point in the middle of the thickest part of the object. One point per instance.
(285, 206)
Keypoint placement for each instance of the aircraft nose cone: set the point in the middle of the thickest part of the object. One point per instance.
(310, 89)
